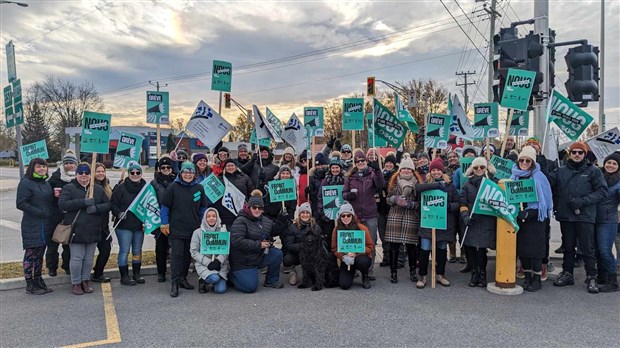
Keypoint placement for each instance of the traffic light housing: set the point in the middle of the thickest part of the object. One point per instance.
(227, 100)
(551, 52)
(534, 49)
(583, 79)
(370, 86)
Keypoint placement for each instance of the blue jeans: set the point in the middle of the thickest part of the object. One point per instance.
(246, 280)
(219, 283)
(129, 239)
(605, 236)
(425, 244)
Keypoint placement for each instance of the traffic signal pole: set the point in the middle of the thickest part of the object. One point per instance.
(541, 27)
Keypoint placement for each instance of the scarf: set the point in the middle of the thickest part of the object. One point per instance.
(543, 190)
(66, 176)
(423, 169)
(334, 180)
(38, 177)
(164, 180)
(406, 184)
(611, 179)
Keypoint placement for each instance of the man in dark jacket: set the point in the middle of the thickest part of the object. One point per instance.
(578, 186)
(164, 177)
(261, 170)
(243, 156)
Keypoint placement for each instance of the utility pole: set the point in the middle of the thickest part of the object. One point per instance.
(541, 27)
(601, 85)
(465, 74)
(158, 131)
(493, 16)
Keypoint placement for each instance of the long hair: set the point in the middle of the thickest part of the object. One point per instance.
(31, 165)
(297, 221)
(341, 226)
(107, 189)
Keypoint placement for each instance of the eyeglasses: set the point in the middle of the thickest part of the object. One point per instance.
(346, 216)
(135, 173)
(256, 207)
(165, 167)
(577, 152)
(346, 151)
(360, 161)
(479, 167)
(525, 160)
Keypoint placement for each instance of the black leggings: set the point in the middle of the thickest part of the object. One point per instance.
(531, 264)
(105, 247)
(412, 253)
(161, 252)
(477, 258)
(291, 259)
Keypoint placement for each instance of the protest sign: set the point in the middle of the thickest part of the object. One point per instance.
(486, 120)
(404, 116)
(214, 188)
(491, 200)
(295, 134)
(157, 107)
(353, 114)
(282, 190)
(570, 118)
(517, 89)
(434, 209)
(460, 125)
(521, 191)
(207, 125)
(520, 123)
(465, 164)
(313, 119)
(351, 241)
(437, 131)
(265, 128)
(95, 132)
(146, 208)
(129, 147)
(38, 149)
(503, 167)
(215, 243)
(387, 126)
(221, 76)
(605, 144)
(332, 200)
(374, 141)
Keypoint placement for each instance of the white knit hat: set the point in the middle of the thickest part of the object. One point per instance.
(528, 152)
(407, 163)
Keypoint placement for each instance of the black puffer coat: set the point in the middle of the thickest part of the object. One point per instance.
(577, 186)
(482, 233)
(35, 198)
(87, 226)
(607, 209)
(122, 197)
(315, 177)
(260, 175)
(246, 235)
(449, 234)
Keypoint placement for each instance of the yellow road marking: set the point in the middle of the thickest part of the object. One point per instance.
(111, 322)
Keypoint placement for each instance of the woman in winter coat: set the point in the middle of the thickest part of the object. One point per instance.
(437, 179)
(61, 177)
(334, 177)
(403, 221)
(351, 262)
(164, 176)
(238, 179)
(35, 198)
(281, 213)
(202, 166)
(288, 158)
(86, 232)
(389, 169)
(251, 248)
(531, 238)
(129, 231)
(291, 239)
(261, 170)
(105, 243)
(607, 226)
(182, 209)
(481, 229)
(212, 269)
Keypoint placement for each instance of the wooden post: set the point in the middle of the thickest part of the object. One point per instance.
(433, 258)
(352, 140)
(91, 188)
(508, 118)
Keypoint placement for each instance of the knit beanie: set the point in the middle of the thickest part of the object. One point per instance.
(289, 150)
(229, 160)
(469, 149)
(256, 199)
(284, 168)
(164, 161)
(533, 141)
(491, 147)
(303, 155)
(346, 147)
(188, 166)
(335, 162)
(69, 157)
(437, 163)
(578, 145)
(320, 159)
(359, 156)
(198, 156)
(407, 162)
(346, 208)
(423, 155)
(182, 153)
(134, 166)
(223, 149)
(390, 157)
(304, 207)
(264, 148)
(528, 152)
(242, 147)
(615, 156)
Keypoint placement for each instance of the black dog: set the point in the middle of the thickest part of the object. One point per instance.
(313, 256)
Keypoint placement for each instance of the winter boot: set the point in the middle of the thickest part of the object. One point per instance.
(592, 286)
(202, 286)
(365, 281)
(536, 283)
(185, 284)
(412, 255)
(601, 276)
(99, 278)
(611, 285)
(528, 279)
(473, 281)
(452, 251)
(39, 283)
(135, 269)
(292, 279)
(563, 279)
(482, 279)
(125, 280)
(174, 292)
(31, 289)
(393, 266)
(86, 287)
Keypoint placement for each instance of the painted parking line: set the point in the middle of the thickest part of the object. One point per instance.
(16, 226)
(112, 330)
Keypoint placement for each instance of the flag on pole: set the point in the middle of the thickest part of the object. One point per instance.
(264, 128)
(207, 125)
(404, 116)
(295, 134)
(604, 144)
(233, 198)
(491, 200)
(460, 125)
(551, 144)
(146, 208)
(571, 119)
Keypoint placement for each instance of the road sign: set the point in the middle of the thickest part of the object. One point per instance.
(18, 108)
(8, 106)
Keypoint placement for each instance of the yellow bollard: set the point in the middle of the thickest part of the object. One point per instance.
(506, 249)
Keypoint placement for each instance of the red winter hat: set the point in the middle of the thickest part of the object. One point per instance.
(437, 164)
(578, 145)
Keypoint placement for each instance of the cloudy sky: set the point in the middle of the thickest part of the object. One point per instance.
(285, 54)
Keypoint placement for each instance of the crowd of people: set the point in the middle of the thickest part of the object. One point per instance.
(381, 196)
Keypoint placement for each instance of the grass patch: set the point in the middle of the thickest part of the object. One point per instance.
(16, 269)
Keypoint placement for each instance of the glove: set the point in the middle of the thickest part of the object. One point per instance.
(165, 229)
(173, 155)
(575, 203)
(307, 190)
(330, 142)
(348, 260)
(215, 265)
(255, 157)
(89, 201)
(374, 165)
(469, 221)
(122, 216)
(522, 215)
(91, 210)
(401, 202)
(337, 145)
(352, 196)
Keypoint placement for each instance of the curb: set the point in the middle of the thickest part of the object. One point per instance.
(20, 283)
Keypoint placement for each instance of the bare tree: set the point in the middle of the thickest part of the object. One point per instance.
(7, 138)
(242, 129)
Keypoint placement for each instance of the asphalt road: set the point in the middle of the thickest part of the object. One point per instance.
(387, 315)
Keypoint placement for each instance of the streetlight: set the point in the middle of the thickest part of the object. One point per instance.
(14, 2)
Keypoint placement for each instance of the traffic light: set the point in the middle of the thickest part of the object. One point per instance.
(582, 84)
(551, 52)
(534, 50)
(370, 86)
(505, 45)
(227, 100)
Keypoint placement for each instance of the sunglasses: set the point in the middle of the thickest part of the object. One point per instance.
(346, 151)
(577, 152)
(360, 161)
(135, 173)
(256, 207)
(346, 216)
(165, 167)
(83, 173)
(479, 167)
(182, 158)
(525, 160)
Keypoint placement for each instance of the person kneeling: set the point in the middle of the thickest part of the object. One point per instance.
(212, 269)
(351, 262)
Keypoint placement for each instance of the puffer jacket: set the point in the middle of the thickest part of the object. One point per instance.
(482, 233)
(292, 238)
(35, 198)
(87, 226)
(58, 179)
(367, 184)
(122, 197)
(607, 209)
(315, 177)
(577, 186)
(182, 207)
(204, 260)
(246, 235)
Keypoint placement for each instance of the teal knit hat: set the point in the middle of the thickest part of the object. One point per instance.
(189, 166)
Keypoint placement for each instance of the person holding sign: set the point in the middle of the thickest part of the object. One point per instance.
(182, 208)
(281, 212)
(334, 177)
(481, 229)
(438, 180)
(252, 248)
(128, 227)
(35, 198)
(261, 170)
(164, 176)
(105, 243)
(532, 218)
(403, 221)
(212, 269)
(351, 262)
(84, 213)
(239, 180)
(304, 228)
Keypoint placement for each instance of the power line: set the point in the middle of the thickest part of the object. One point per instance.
(469, 38)
(469, 19)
